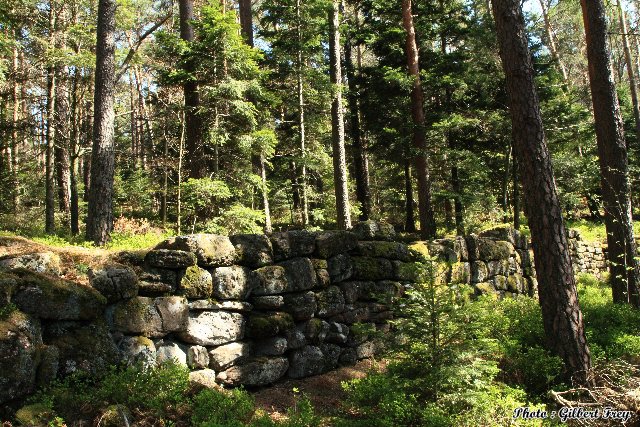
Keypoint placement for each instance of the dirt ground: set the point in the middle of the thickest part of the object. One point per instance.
(325, 391)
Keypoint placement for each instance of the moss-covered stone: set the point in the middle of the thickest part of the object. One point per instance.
(35, 414)
(138, 316)
(319, 263)
(53, 298)
(516, 283)
(83, 347)
(490, 250)
(44, 262)
(170, 258)
(419, 252)
(460, 273)
(368, 268)
(268, 324)
(331, 243)
(485, 288)
(330, 302)
(253, 250)
(115, 282)
(373, 230)
(389, 250)
(20, 342)
(234, 282)
(291, 244)
(49, 365)
(211, 250)
(196, 283)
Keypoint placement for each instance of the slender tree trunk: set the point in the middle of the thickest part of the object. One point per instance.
(61, 152)
(15, 140)
(74, 213)
(425, 209)
(100, 209)
(337, 121)
(505, 186)
(457, 200)
(360, 156)
(612, 153)
(410, 223)
(50, 131)
(561, 315)
(133, 125)
(630, 72)
(552, 40)
(193, 133)
(301, 122)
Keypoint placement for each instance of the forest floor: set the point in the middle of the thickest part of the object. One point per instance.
(324, 391)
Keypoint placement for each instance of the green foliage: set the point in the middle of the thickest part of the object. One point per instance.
(6, 310)
(214, 408)
(612, 329)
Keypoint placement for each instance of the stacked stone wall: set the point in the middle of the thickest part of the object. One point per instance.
(239, 310)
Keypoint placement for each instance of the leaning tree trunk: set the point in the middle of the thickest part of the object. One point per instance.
(612, 154)
(553, 48)
(337, 121)
(425, 209)
(562, 318)
(100, 209)
(193, 124)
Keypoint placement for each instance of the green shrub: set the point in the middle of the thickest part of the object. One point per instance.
(215, 408)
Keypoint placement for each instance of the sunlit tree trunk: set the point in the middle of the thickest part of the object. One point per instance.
(50, 131)
(425, 209)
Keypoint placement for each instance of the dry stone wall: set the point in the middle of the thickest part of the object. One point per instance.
(240, 310)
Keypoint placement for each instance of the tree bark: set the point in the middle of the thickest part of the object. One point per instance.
(15, 100)
(612, 153)
(246, 21)
(100, 209)
(562, 318)
(516, 195)
(337, 121)
(193, 123)
(61, 152)
(425, 209)
(301, 120)
(49, 226)
(409, 223)
(360, 156)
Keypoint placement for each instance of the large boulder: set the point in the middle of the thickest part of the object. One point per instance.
(253, 250)
(138, 350)
(268, 324)
(167, 258)
(150, 317)
(115, 282)
(331, 243)
(305, 362)
(234, 282)
(273, 280)
(301, 306)
(85, 347)
(292, 244)
(368, 268)
(340, 267)
(389, 250)
(330, 302)
(44, 262)
(220, 358)
(211, 250)
(256, 372)
(372, 230)
(20, 340)
(196, 283)
(210, 328)
(48, 297)
(300, 274)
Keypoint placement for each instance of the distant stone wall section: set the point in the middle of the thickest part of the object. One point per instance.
(240, 310)
(587, 257)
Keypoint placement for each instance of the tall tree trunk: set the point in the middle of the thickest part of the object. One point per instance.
(194, 148)
(516, 195)
(505, 186)
(15, 140)
(257, 161)
(301, 122)
(425, 209)
(50, 131)
(630, 72)
(552, 40)
(561, 315)
(100, 210)
(457, 200)
(360, 156)
(343, 210)
(74, 213)
(612, 153)
(61, 152)
(409, 223)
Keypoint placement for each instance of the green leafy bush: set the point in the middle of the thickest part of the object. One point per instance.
(215, 408)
